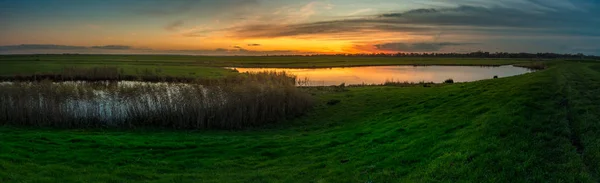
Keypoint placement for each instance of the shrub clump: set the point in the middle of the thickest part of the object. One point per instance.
(450, 81)
(333, 102)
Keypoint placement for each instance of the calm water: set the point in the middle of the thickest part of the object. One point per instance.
(109, 101)
(381, 74)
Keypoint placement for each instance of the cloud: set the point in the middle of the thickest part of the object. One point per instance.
(460, 21)
(121, 49)
(160, 8)
(484, 19)
(40, 47)
(307, 10)
(235, 51)
(249, 18)
(199, 32)
(254, 44)
(417, 47)
(173, 26)
(411, 12)
(60, 47)
(360, 11)
(328, 27)
(480, 16)
(113, 47)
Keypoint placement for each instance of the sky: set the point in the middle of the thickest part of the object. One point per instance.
(268, 27)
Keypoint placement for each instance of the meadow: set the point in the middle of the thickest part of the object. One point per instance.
(536, 127)
(211, 66)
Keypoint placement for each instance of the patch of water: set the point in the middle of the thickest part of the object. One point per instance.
(381, 74)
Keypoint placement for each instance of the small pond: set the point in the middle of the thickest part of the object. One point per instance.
(381, 74)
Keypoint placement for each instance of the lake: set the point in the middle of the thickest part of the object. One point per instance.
(381, 74)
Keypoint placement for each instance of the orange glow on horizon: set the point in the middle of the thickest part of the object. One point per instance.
(318, 43)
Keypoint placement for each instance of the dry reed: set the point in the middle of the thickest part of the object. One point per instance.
(232, 102)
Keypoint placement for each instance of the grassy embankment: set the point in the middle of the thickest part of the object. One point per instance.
(538, 127)
(206, 66)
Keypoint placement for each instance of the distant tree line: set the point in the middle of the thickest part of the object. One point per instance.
(478, 54)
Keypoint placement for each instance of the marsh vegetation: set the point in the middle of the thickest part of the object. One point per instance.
(227, 103)
(109, 73)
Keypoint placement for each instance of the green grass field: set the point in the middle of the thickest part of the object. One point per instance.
(537, 127)
(207, 66)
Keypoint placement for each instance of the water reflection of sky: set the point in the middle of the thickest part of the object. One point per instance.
(380, 74)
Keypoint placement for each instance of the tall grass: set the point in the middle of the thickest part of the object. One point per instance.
(102, 73)
(232, 102)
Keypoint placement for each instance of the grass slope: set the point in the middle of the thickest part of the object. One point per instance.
(538, 127)
(207, 66)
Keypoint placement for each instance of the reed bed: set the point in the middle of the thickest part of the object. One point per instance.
(232, 102)
(103, 73)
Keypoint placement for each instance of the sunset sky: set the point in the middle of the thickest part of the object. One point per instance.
(259, 27)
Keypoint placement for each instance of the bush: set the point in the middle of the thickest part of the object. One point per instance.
(449, 81)
(333, 102)
(340, 88)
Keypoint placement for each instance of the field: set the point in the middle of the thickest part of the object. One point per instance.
(207, 66)
(537, 127)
